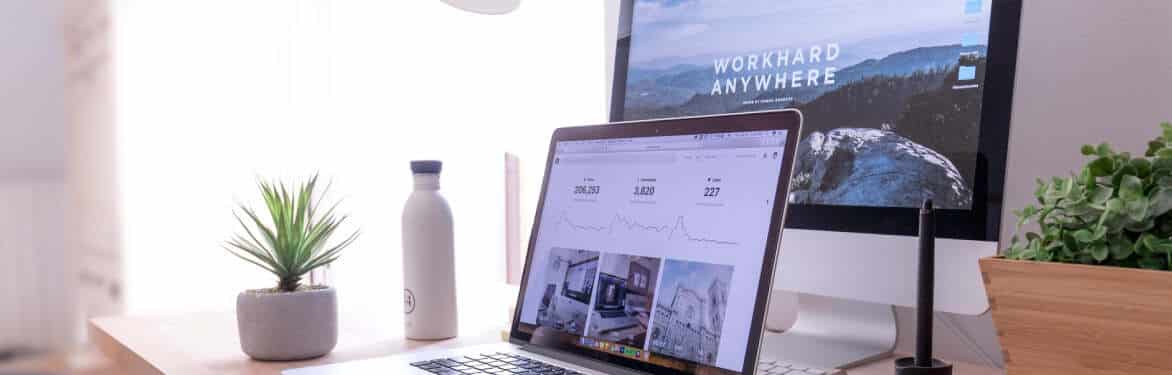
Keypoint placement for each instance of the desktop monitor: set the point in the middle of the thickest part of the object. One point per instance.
(612, 292)
(579, 281)
(903, 100)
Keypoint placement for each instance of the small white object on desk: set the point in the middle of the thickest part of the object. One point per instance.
(429, 259)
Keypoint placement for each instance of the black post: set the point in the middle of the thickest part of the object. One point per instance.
(927, 280)
(923, 363)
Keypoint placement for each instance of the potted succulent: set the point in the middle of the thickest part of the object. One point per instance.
(1088, 291)
(291, 321)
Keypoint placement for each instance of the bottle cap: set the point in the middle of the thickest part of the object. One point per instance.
(426, 166)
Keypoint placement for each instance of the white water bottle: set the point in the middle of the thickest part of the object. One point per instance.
(429, 268)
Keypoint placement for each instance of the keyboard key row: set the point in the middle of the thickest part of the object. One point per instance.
(494, 363)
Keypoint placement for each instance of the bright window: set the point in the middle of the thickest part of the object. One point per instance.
(212, 94)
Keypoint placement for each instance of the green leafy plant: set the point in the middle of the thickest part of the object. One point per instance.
(293, 241)
(1115, 211)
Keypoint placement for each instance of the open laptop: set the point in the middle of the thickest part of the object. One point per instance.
(652, 252)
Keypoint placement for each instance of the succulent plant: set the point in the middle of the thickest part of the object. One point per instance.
(293, 241)
(1115, 211)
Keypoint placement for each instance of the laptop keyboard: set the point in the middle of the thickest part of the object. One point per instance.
(775, 367)
(493, 363)
(612, 314)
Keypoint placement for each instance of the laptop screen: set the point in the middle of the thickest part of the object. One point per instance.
(652, 248)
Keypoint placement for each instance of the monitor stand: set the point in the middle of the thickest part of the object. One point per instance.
(834, 333)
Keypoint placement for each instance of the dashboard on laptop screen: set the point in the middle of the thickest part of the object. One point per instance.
(652, 248)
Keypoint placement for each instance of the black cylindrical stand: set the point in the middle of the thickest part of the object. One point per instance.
(907, 366)
(923, 363)
(927, 289)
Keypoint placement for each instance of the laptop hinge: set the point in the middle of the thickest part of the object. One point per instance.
(589, 363)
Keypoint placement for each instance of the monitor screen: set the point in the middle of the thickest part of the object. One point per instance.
(579, 280)
(612, 293)
(890, 90)
(670, 231)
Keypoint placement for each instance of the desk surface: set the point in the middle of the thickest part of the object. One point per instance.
(207, 343)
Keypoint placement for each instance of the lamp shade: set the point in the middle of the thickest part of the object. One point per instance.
(485, 6)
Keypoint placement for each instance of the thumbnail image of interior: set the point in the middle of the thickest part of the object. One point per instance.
(622, 304)
(569, 281)
(690, 310)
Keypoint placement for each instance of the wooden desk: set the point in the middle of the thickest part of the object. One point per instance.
(207, 343)
(887, 367)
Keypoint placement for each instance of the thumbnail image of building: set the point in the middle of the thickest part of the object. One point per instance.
(690, 311)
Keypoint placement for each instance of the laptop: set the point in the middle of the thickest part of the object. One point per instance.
(652, 251)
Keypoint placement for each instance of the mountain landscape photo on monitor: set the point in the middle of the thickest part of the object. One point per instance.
(890, 90)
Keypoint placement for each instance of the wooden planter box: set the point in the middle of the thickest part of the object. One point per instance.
(1070, 319)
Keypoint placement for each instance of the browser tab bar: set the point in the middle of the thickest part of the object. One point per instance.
(654, 146)
(676, 142)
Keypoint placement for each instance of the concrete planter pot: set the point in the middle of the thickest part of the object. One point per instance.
(287, 326)
(1070, 319)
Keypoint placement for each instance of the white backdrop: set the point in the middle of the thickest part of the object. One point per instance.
(211, 94)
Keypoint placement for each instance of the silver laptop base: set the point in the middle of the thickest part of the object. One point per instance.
(834, 333)
(578, 360)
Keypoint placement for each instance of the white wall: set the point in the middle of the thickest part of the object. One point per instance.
(212, 94)
(1088, 71)
(35, 308)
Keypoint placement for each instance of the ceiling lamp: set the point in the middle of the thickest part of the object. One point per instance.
(485, 6)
